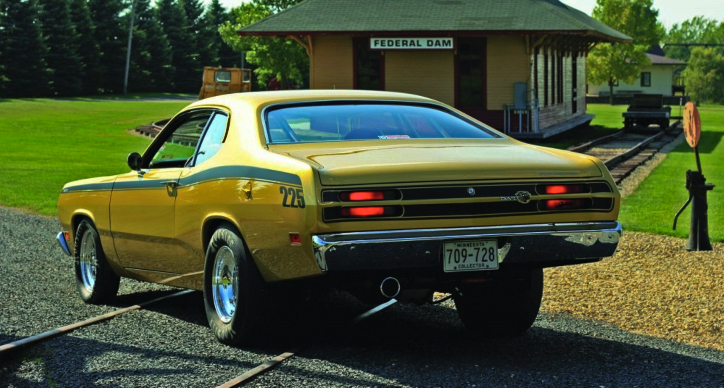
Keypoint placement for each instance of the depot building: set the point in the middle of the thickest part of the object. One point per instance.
(517, 65)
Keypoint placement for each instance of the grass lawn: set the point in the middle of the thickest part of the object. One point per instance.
(651, 208)
(49, 142)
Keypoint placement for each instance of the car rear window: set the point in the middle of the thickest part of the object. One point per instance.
(368, 121)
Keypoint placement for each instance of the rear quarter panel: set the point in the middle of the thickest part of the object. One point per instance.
(217, 192)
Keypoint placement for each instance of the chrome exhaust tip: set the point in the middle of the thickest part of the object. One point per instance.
(390, 287)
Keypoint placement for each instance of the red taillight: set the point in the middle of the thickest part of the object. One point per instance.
(295, 238)
(563, 204)
(362, 196)
(372, 211)
(66, 235)
(565, 189)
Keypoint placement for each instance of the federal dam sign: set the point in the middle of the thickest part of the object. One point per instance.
(411, 43)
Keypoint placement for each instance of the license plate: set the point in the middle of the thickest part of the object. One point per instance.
(471, 255)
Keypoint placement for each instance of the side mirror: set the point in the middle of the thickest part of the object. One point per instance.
(135, 161)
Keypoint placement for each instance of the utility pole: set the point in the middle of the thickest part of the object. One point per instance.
(128, 50)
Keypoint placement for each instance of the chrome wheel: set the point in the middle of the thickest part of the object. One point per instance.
(88, 260)
(224, 283)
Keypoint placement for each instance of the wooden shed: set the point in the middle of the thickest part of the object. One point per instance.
(517, 65)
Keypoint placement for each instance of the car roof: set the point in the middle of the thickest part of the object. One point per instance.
(281, 96)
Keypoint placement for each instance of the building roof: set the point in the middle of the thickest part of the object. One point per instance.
(661, 60)
(312, 17)
(658, 57)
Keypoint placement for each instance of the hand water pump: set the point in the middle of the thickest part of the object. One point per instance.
(697, 186)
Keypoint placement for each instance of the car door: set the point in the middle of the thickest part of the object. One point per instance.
(142, 202)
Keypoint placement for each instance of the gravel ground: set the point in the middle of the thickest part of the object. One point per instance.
(169, 345)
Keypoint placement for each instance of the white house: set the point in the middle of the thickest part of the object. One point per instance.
(657, 78)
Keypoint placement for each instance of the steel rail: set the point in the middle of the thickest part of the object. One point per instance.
(91, 321)
(267, 365)
(583, 147)
(630, 153)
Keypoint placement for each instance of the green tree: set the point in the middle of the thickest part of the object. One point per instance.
(184, 59)
(612, 62)
(216, 16)
(150, 67)
(3, 78)
(278, 5)
(24, 50)
(275, 57)
(63, 42)
(696, 30)
(202, 37)
(704, 76)
(111, 33)
(90, 51)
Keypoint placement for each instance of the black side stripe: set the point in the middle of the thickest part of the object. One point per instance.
(224, 172)
(140, 184)
(241, 172)
(89, 187)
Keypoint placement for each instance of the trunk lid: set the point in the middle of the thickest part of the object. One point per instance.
(490, 159)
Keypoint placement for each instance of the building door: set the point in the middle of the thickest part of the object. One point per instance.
(470, 76)
(369, 66)
(574, 82)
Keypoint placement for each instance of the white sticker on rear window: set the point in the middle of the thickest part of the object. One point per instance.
(393, 137)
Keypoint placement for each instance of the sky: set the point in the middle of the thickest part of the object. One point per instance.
(670, 11)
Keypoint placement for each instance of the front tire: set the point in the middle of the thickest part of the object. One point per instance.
(505, 307)
(235, 295)
(95, 280)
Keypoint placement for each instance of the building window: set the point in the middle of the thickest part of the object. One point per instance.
(553, 77)
(646, 78)
(545, 78)
(560, 78)
(369, 66)
(535, 75)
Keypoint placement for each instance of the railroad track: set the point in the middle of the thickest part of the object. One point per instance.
(623, 151)
(249, 375)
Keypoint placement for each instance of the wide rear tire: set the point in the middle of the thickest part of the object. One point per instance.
(500, 308)
(236, 298)
(95, 280)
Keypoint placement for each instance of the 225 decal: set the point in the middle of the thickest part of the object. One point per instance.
(292, 197)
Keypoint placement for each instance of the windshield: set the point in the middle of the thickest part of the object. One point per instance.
(368, 121)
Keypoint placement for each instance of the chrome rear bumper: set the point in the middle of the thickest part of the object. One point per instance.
(542, 245)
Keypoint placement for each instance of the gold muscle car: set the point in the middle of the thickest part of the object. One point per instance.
(386, 195)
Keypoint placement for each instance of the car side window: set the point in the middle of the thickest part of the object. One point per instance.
(181, 143)
(213, 139)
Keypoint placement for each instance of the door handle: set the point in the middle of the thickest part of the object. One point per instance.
(170, 184)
